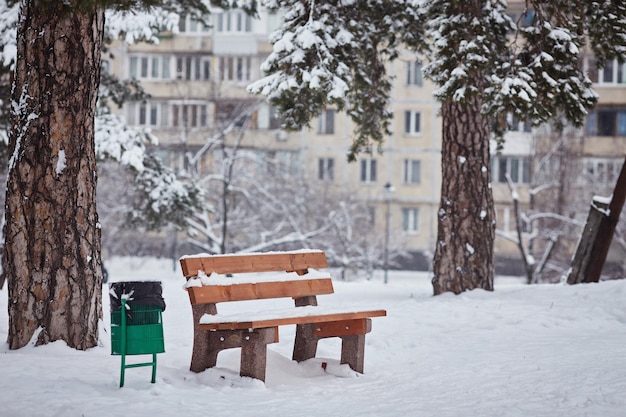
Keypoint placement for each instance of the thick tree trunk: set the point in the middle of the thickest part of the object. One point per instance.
(52, 231)
(466, 221)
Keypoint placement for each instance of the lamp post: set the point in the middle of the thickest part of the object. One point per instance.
(387, 190)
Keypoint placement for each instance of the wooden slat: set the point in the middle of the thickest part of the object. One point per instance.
(342, 328)
(253, 262)
(283, 321)
(260, 290)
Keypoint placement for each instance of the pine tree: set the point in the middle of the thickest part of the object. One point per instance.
(486, 66)
(52, 233)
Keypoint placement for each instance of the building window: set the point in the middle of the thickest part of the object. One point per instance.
(326, 122)
(173, 158)
(193, 68)
(412, 122)
(516, 166)
(612, 73)
(149, 113)
(507, 222)
(280, 162)
(326, 169)
(607, 122)
(602, 170)
(503, 218)
(133, 69)
(150, 67)
(234, 68)
(189, 115)
(516, 125)
(165, 68)
(233, 21)
(412, 174)
(189, 24)
(410, 219)
(236, 112)
(274, 120)
(267, 118)
(368, 170)
(414, 73)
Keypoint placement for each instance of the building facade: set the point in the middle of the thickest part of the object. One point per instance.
(197, 80)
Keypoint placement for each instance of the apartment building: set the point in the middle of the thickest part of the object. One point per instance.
(197, 79)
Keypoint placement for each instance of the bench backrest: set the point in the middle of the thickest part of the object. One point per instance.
(298, 262)
(298, 288)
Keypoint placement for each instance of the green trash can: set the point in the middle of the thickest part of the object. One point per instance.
(137, 322)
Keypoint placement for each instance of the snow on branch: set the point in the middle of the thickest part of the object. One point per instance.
(8, 33)
(546, 215)
(114, 140)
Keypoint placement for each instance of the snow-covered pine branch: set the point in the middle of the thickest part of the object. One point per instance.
(334, 53)
(161, 198)
(8, 33)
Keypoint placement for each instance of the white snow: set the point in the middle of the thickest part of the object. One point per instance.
(307, 38)
(221, 279)
(230, 255)
(133, 26)
(113, 139)
(520, 351)
(61, 162)
(19, 108)
(8, 32)
(603, 201)
(277, 314)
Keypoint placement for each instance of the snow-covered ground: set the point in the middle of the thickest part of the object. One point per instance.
(548, 350)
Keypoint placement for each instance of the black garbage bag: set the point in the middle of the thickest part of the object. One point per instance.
(137, 293)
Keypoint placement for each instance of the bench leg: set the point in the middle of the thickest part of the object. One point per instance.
(305, 345)
(254, 352)
(202, 357)
(353, 351)
(351, 332)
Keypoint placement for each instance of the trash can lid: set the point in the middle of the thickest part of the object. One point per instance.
(148, 293)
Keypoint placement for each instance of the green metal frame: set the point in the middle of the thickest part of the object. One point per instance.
(124, 349)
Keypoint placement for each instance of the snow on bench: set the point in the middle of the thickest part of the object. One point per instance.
(281, 317)
(208, 284)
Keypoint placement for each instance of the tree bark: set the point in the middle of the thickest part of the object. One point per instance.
(589, 234)
(52, 262)
(594, 246)
(466, 221)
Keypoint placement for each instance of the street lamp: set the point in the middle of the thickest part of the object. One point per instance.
(387, 190)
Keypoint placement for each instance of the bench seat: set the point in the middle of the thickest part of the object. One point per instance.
(283, 317)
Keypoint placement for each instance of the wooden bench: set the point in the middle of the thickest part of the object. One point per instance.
(253, 331)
